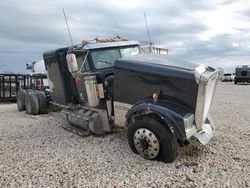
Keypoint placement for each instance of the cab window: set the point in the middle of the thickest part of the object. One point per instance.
(80, 60)
(105, 58)
(128, 51)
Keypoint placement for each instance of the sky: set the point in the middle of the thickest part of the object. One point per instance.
(211, 32)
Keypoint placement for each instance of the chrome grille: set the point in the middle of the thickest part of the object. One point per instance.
(209, 96)
(207, 81)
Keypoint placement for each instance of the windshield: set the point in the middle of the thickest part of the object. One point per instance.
(128, 51)
(105, 58)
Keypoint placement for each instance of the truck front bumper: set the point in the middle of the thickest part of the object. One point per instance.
(204, 135)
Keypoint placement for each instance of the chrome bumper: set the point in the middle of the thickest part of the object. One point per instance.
(204, 135)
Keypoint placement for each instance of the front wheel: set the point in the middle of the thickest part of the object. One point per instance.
(152, 139)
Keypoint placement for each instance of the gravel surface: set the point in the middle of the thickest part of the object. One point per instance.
(36, 151)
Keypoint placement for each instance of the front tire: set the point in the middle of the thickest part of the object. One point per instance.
(152, 139)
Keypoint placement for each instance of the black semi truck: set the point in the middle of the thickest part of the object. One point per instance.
(242, 74)
(105, 84)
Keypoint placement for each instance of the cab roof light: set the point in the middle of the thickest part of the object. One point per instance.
(99, 39)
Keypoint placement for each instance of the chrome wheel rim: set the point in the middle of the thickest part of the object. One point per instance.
(146, 143)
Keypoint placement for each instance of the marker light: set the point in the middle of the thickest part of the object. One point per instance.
(155, 97)
(78, 79)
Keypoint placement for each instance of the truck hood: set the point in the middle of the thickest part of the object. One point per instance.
(162, 60)
(158, 65)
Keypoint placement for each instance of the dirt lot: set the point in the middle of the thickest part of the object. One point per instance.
(36, 151)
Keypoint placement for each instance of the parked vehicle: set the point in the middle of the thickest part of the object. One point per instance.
(242, 74)
(10, 84)
(227, 77)
(160, 99)
(233, 76)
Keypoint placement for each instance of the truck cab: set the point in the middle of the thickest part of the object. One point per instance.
(111, 83)
(94, 58)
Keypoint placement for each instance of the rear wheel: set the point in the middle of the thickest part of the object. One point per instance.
(151, 139)
(20, 100)
(235, 81)
(42, 102)
(31, 103)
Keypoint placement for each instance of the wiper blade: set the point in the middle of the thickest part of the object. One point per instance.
(105, 61)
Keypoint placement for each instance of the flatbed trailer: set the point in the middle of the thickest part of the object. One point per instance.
(10, 84)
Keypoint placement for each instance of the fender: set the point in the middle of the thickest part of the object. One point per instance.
(170, 112)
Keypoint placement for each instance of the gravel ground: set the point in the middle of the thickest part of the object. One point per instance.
(36, 151)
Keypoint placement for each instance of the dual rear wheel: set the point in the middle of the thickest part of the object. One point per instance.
(34, 102)
(20, 99)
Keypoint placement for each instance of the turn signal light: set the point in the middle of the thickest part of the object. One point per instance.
(155, 97)
(78, 79)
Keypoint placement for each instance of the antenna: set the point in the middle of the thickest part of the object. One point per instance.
(147, 27)
(68, 27)
(147, 30)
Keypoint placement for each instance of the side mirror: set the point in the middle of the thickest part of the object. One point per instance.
(72, 64)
